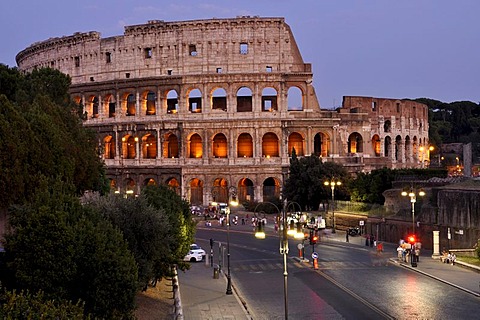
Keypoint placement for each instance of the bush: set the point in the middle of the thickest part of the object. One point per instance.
(24, 305)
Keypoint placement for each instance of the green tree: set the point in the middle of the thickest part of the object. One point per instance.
(305, 183)
(369, 187)
(70, 253)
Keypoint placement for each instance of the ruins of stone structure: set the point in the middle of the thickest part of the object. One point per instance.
(215, 107)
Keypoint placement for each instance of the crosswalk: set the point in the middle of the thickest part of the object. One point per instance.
(259, 266)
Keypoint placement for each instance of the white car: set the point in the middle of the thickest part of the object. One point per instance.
(193, 256)
(196, 253)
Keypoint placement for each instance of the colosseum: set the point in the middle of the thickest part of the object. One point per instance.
(215, 106)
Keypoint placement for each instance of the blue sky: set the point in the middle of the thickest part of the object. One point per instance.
(379, 48)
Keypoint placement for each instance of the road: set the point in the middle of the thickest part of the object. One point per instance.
(351, 282)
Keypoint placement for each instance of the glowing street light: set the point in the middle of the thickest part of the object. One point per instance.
(332, 183)
(413, 198)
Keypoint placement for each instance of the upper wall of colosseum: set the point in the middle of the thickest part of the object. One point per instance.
(158, 48)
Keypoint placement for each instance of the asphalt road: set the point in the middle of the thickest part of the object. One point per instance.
(351, 282)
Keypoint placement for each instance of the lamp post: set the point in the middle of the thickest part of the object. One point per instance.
(332, 183)
(283, 249)
(233, 202)
(424, 152)
(413, 198)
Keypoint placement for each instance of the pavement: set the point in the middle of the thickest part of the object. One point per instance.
(202, 295)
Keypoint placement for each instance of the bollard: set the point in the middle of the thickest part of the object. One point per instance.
(215, 272)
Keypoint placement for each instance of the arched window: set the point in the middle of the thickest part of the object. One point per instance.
(196, 150)
(269, 99)
(295, 99)
(131, 108)
(244, 100)
(220, 147)
(196, 191)
(355, 143)
(170, 148)
(219, 99)
(295, 141)
(376, 145)
(129, 146)
(271, 189)
(149, 146)
(109, 147)
(320, 145)
(172, 101)
(270, 145)
(150, 101)
(245, 146)
(246, 190)
(195, 101)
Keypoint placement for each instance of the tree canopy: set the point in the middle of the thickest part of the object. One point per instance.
(305, 184)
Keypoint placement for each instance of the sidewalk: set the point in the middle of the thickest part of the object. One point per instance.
(203, 297)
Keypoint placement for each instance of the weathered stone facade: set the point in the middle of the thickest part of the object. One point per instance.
(208, 105)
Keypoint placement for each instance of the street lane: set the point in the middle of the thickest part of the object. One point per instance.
(352, 282)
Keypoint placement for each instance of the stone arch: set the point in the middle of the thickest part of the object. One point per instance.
(195, 101)
(270, 145)
(170, 146)
(109, 105)
(220, 146)
(355, 143)
(149, 146)
(149, 101)
(271, 189)
(131, 105)
(296, 140)
(173, 184)
(196, 191)
(129, 147)
(108, 147)
(269, 99)
(376, 145)
(398, 149)
(245, 145)
(244, 99)
(387, 146)
(130, 186)
(171, 101)
(220, 190)
(149, 182)
(408, 149)
(321, 145)
(387, 126)
(92, 106)
(246, 190)
(113, 186)
(219, 99)
(295, 99)
(195, 146)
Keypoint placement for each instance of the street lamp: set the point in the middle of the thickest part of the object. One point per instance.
(332, 183)
(283, 250)
(232, 191)
(413, 198)
(425, 151)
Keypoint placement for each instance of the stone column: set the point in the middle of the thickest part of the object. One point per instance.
(436, 245)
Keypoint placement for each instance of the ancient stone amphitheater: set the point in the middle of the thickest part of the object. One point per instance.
(216, 106)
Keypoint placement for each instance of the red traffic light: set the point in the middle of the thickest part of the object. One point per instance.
(411, 239)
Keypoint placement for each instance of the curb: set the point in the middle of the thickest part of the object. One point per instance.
(177, 305)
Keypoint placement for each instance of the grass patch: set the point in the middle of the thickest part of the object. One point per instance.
(470, 260)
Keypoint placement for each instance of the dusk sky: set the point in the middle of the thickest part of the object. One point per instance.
(379, 48)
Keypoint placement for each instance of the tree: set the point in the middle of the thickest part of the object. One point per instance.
(70, 253)
(305, 183)
(369, 187)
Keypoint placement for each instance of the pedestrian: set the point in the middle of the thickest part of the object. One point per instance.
(367, 240)
(346, 236)
(399, 252)
(453, 258)
(372, 239)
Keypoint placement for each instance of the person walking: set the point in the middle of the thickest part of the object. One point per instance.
(346, 236)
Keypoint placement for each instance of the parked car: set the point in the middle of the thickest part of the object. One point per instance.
(193, 256)
(197, 249)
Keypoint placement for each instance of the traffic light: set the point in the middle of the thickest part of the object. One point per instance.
(411, 239)
(313, 237)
